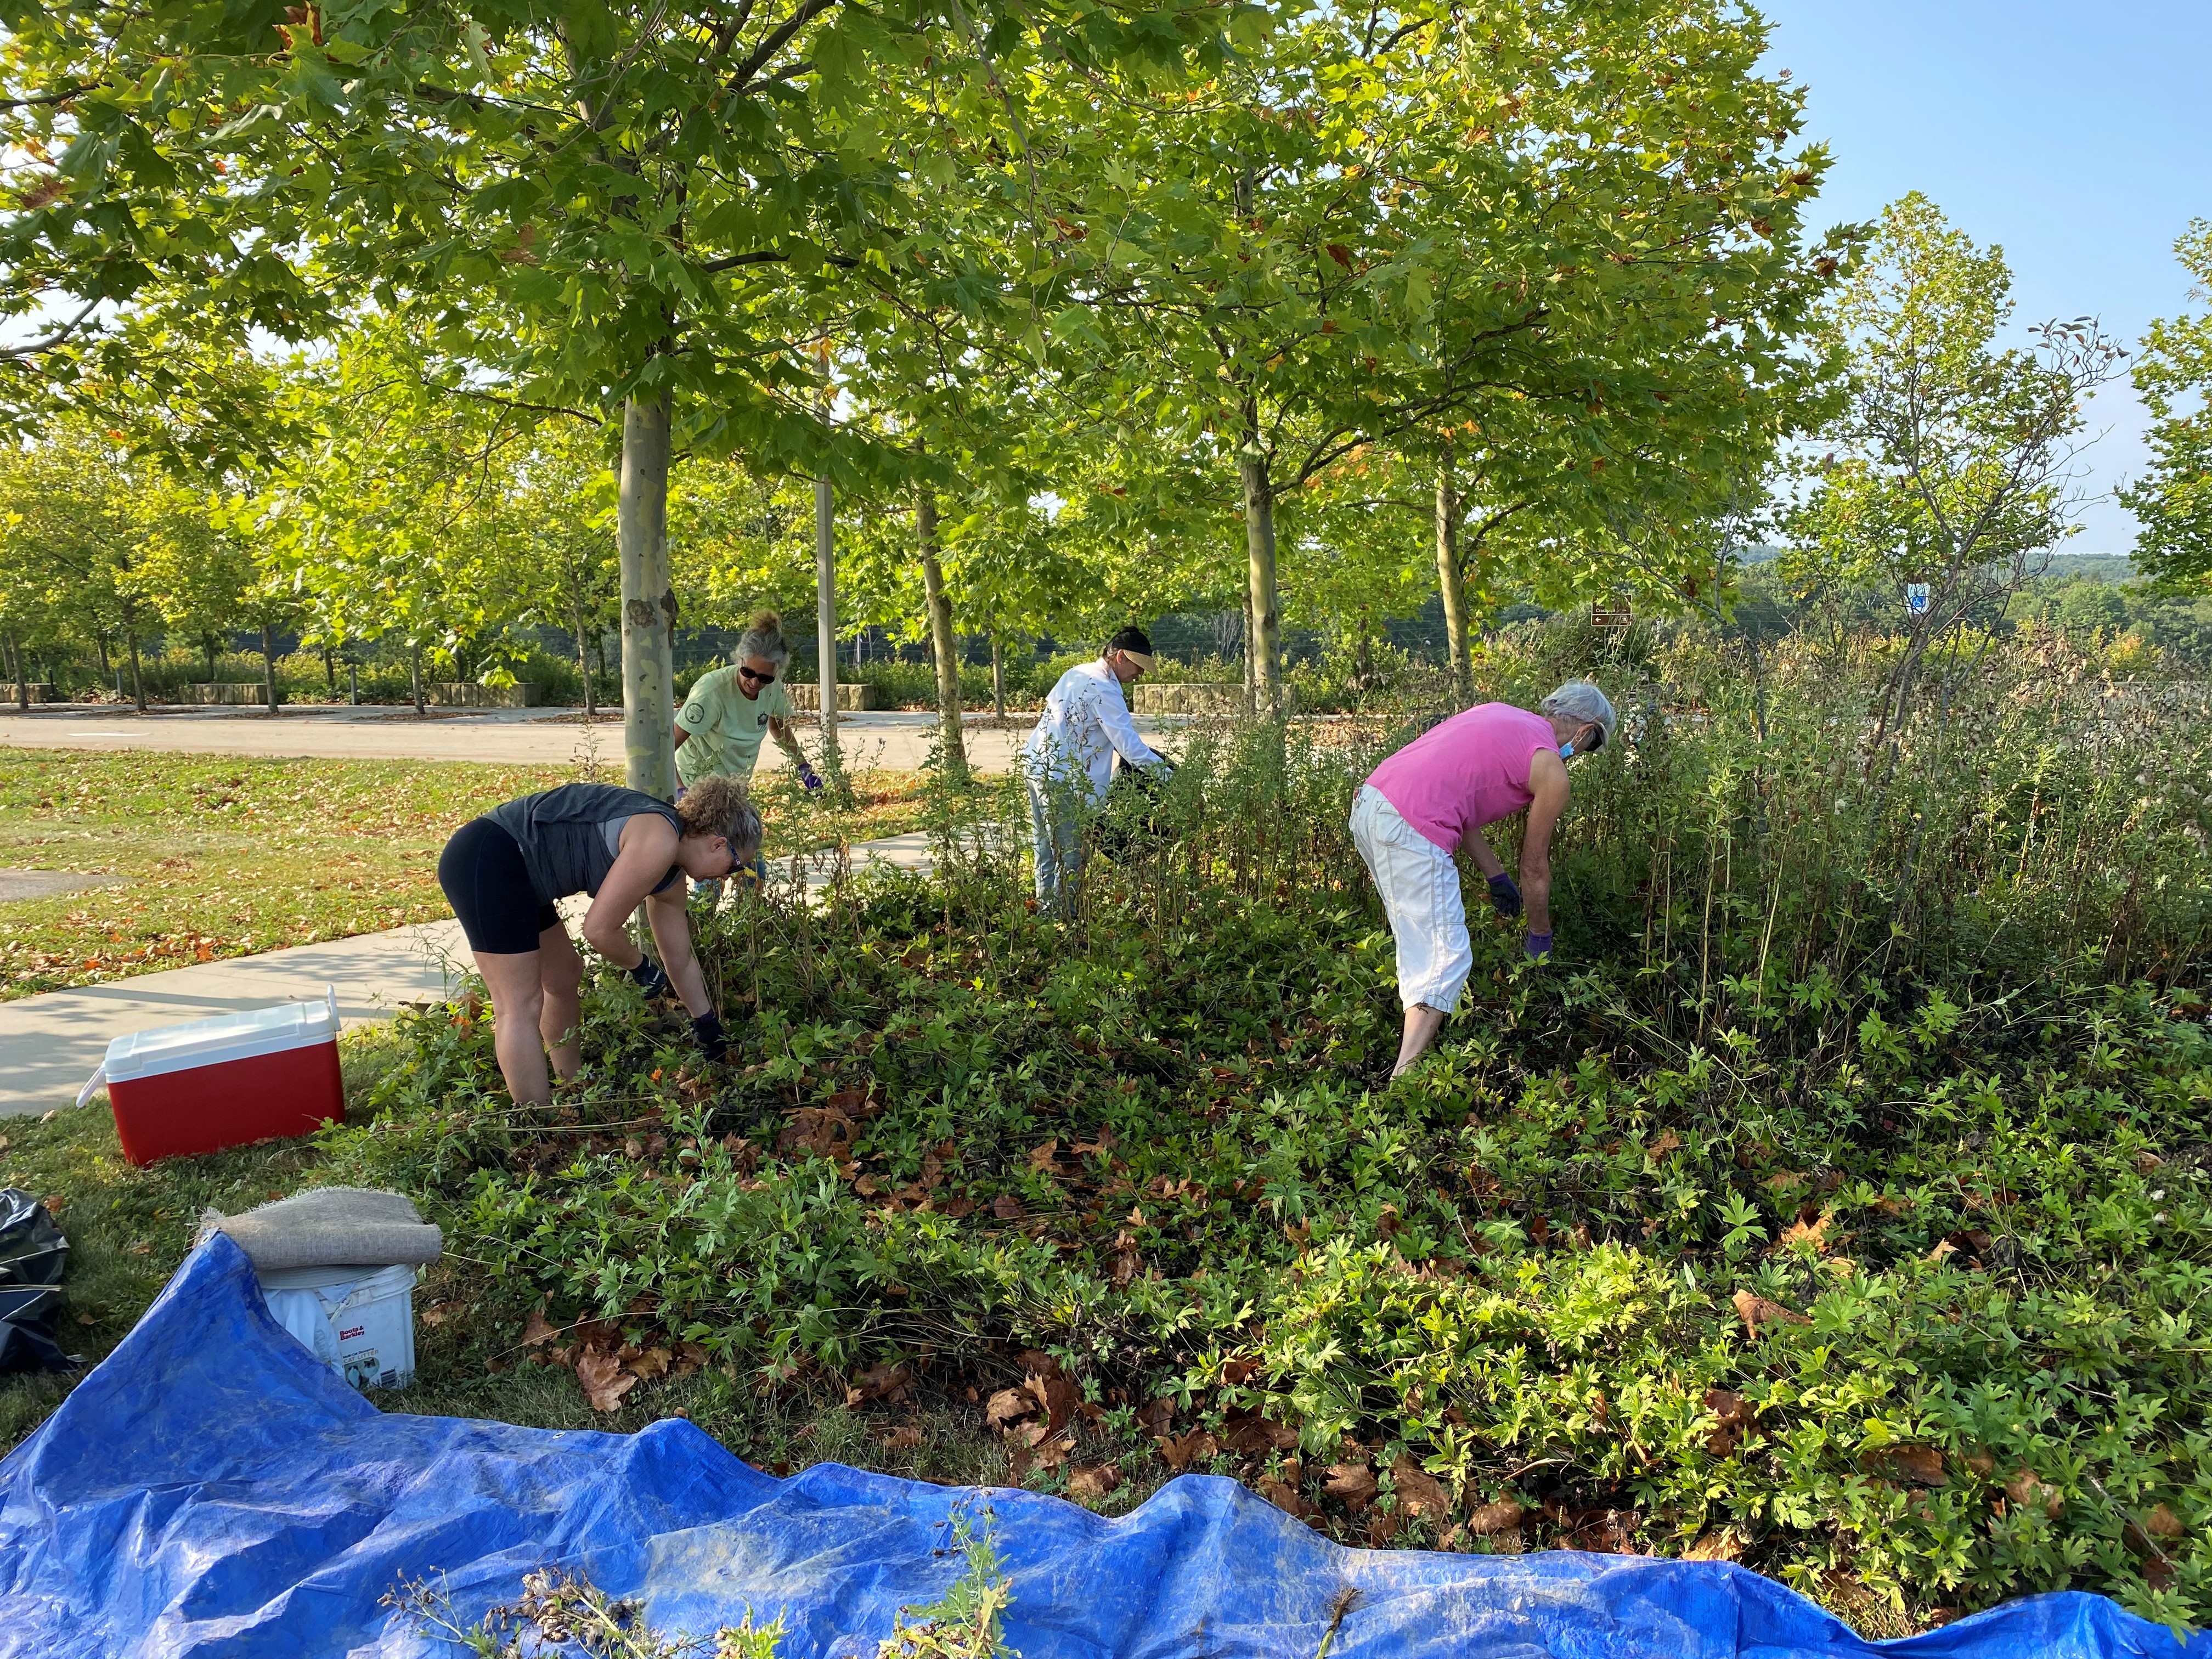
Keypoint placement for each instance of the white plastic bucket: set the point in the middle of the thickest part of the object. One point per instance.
(359, 1321)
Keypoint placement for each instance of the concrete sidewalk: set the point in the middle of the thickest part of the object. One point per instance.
(50, 1044)
(531, 737)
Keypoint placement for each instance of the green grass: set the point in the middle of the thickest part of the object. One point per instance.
(225, 856)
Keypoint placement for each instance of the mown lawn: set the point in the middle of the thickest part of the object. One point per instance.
(226, 856)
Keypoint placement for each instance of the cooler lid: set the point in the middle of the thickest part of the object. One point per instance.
(212, 1041)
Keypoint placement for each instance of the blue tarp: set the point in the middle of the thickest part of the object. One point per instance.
(210, 1490)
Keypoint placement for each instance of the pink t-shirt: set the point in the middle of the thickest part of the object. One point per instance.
(1471, 770)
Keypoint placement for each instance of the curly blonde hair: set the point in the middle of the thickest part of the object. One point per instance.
(718, 805)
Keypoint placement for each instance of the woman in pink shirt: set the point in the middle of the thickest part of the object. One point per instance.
(1432, 798)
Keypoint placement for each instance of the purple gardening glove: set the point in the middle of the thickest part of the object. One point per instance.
(1539, 946)
(810, 777)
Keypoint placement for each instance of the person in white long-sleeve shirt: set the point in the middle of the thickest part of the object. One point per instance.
(1068, 762)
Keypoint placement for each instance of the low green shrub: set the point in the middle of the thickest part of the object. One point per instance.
(1880, 1272)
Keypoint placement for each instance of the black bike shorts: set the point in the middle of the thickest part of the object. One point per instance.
(488, 884)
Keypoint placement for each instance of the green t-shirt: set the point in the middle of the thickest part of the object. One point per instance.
(726, 727)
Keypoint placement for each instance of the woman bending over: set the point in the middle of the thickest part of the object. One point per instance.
(504, 872)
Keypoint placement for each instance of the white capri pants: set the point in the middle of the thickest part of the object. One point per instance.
(1420, 884)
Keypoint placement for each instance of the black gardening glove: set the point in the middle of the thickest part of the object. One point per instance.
(1504, 896)
(651, 978)
(707, 1028)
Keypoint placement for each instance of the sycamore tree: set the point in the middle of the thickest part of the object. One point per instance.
(1539, 236)
(2173, 376)
(395, 523)
(1953, 461)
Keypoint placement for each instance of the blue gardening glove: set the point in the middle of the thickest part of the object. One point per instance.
(650, 976)
(1504, 896)
(1538, 945)
(810, 777)
(707, 1028)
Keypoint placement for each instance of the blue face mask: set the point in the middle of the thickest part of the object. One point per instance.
(1566, 752)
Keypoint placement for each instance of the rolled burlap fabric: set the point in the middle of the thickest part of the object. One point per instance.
(330, 1227)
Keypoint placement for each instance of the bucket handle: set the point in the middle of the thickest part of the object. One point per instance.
(96, 1082)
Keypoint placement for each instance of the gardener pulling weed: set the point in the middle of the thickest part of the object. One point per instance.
(1432, 798)
(1068, 762)
(504, 871)
(720, 726)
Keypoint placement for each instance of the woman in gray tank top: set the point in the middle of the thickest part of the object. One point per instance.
(505, 872)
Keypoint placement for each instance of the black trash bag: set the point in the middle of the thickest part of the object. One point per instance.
(31, 1254)
(1133, 821)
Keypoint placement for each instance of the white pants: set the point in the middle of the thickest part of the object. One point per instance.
(1420, 884)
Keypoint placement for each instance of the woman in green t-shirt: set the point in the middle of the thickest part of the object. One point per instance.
(719, 729)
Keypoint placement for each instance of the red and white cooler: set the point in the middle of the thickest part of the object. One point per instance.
(180, 1090)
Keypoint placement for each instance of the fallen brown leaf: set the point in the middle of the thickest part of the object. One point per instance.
(1669, 1142)
(1284, 1495)
(2025, 1489)
(1757, 1310)
(1157, 1418)
(1246, 1431)
(603, 1380)
(1722, 1544)
(1008, 1405)
(1196, 1446)
(1007, 1207)
(1490, 1520)
(1053, 1454)
(648, 1364)
(1815, 1233)
(1919, 1465)
(1736, 1415)
(1420, 1492)
(1093, 1483)
(2163, 1522)
(887, 1381)
(905, 1437)
(1045, 1158)
(535, 1331)
(1352, 1482)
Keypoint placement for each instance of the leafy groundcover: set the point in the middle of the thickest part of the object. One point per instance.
(1892, 1294)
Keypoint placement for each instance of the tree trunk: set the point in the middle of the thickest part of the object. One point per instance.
(1245, 652)
(1265, 644)
(353, 682)
(415, 673)
(269, 668)
(330, 673)
(583, 662)
(998, 678)
(22, 678)
(208, 645)
(137, 675)
(1451, 583)
(946, 649)
(648, 602)
(825, 616)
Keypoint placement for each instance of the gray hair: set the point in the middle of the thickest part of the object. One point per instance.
(763, 638)
(1578, 700)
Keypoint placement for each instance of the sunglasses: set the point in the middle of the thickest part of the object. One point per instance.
(757, 678)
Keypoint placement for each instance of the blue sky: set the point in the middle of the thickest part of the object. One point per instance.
(2077, 136)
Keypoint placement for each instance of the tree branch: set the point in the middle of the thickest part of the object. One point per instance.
(32, 347)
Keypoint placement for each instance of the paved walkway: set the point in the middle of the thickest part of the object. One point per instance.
(50, 1044)
(529, 737)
